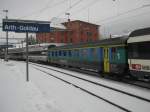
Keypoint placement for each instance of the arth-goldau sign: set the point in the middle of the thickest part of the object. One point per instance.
(26, 25)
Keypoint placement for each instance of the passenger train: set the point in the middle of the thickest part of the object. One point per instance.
(118, 56)
(139, 53)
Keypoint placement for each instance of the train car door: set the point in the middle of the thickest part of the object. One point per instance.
(106, 59)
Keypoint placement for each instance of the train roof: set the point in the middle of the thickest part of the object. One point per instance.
(140, 32)
(106, 42)
(35, 48)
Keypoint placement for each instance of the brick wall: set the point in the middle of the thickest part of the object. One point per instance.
(76, 32)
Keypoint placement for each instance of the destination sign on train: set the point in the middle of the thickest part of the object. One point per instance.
(26, 26)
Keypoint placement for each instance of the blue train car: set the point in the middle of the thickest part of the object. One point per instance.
(105, 56)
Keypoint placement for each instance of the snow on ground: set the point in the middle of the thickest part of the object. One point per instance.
(123, 100)
(17, 95)
(43, 93)
(114, 84)
(66, 97)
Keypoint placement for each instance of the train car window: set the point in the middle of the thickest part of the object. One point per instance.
(76, 53)
(49, 53)
(64, 53)
(52, 53)
(59, 53)
(144, 50)
(69, 53)
(103, 53)
(139, 50)
(135, 51)
(94, 53)
(113, 52)
(55, 53)
(84, 53)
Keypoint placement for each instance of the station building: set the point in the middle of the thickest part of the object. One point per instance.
(75, 32)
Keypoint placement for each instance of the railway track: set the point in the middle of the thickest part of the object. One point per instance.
(126, 80)
(140, 84)
(99, 84)
(95, 83)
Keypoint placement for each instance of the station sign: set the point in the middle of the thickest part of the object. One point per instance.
(25, 26)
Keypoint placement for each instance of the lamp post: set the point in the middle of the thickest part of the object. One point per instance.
(6, 53)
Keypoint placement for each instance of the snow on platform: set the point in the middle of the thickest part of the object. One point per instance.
(43, 93)
(17, 95)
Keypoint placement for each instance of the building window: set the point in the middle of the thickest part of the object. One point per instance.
(71, 40)
(89, 36)
(81, 40)
(52, 39)
(62, 37)
(62, 40)
(89, 33)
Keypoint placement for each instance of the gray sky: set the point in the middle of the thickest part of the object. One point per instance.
(116, 17)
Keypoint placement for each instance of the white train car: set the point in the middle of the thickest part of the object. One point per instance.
(38, 53)
(38, 58)
(139, 54)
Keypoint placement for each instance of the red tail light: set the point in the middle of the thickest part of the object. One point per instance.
(136, 66)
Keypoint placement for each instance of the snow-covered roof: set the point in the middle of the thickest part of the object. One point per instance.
(57, 23)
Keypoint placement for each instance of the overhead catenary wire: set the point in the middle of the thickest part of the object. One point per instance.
(125, 18)
(124, 13)
(44, 9)
(71, 6)
(85, 7)
(110, 18)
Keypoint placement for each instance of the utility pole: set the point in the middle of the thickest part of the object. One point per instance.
(27, 58)
(88, 15)
(6, 53)
(68, 39)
